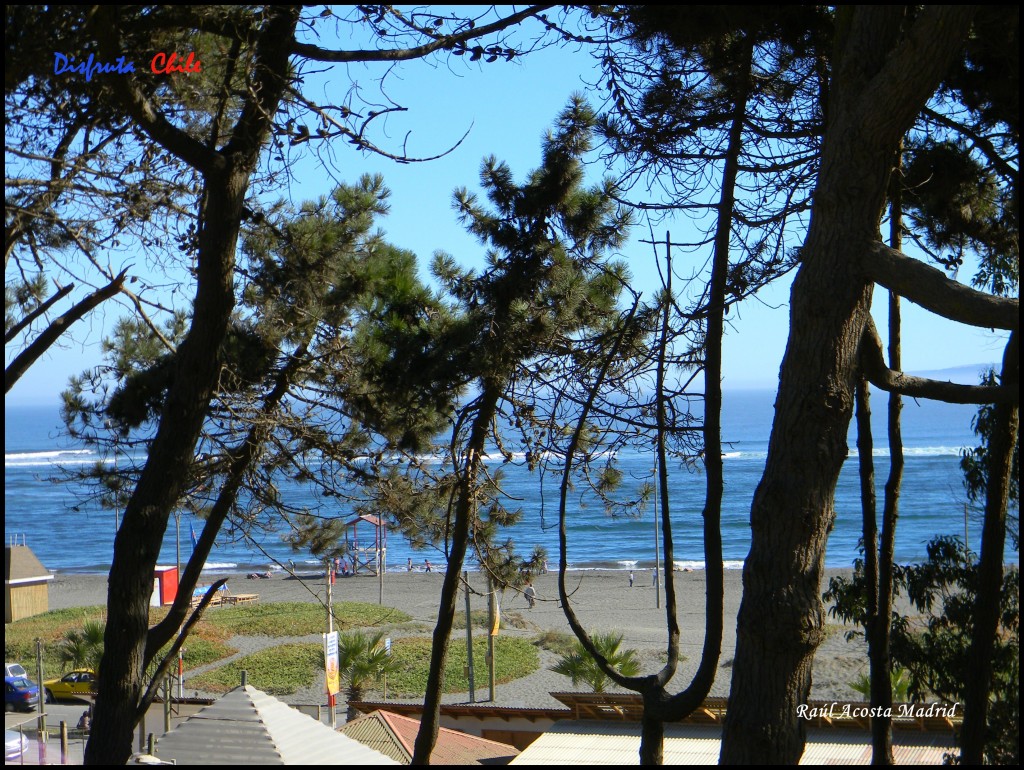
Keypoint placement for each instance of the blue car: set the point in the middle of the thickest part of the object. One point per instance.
(22, 694)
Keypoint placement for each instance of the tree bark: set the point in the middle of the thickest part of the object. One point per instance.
(659, 707)
(881, 635)
(881, 376)
(427, 735)
(652, 739)
(137, 544)
(990, 568)
(54, 330)
(883, 76)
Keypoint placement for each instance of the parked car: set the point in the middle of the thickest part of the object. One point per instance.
(21, 694)
(15, 744)
(14, 669)
(79, 682)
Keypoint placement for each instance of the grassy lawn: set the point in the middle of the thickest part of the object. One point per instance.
(20, 636)
(280, 670)
(515, 658)
(207, 642)
(298, 618)
(285, 669)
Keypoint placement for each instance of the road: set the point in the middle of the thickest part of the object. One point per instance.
(70, 712)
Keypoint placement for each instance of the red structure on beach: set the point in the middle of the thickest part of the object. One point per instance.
(165, 586)
(370, 553)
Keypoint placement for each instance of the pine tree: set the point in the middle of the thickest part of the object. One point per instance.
(549, 288)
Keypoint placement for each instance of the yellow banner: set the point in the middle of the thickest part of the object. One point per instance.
(332, 678)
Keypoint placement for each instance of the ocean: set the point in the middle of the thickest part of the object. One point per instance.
(70, 533)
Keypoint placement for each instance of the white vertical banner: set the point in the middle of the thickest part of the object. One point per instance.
(332, 680)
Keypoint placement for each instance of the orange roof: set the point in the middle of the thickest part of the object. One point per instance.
(452, 748)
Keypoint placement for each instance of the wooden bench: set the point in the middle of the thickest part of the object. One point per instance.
(241, 599)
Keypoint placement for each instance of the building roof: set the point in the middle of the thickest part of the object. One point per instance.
(593, 742)
(23, 566)
(248, 727)
(375, 521)
(475, 710)
(628, 707)
(395, 736)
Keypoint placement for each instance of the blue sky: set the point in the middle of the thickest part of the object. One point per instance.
(506, 107)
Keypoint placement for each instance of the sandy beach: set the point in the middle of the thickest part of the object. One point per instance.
(603, 599)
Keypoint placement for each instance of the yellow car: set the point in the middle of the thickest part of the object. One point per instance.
(70, 686)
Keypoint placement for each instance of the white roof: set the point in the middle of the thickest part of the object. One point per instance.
(248, 727)
(595, 742)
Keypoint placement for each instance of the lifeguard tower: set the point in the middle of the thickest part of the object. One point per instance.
(366, 540)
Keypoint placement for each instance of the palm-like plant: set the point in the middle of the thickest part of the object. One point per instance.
(579, 666)
(82, 647)
(900, 679)
(362, 661)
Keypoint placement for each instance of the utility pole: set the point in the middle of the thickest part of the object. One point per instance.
(42, 699)
(329, 573)
(177, 541)
(167, 704)
(117, 486)
(469, 642)
(490, 637)
(381, 566)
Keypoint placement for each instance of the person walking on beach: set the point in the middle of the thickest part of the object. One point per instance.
(531, 594)
(408, 567)
(426, 565)
(631, 578)
(654, 576)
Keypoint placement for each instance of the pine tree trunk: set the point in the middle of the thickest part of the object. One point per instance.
(881, 635)
(990, 568)
(426, 737)
(880, 83)
(652, 739)
(197, 367)
(137, 545)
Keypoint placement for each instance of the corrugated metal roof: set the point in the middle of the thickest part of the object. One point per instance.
(592, 742)
(248, 727)
(372, 731)
(452, 748)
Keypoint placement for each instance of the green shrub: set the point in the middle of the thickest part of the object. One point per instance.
(558, 642)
